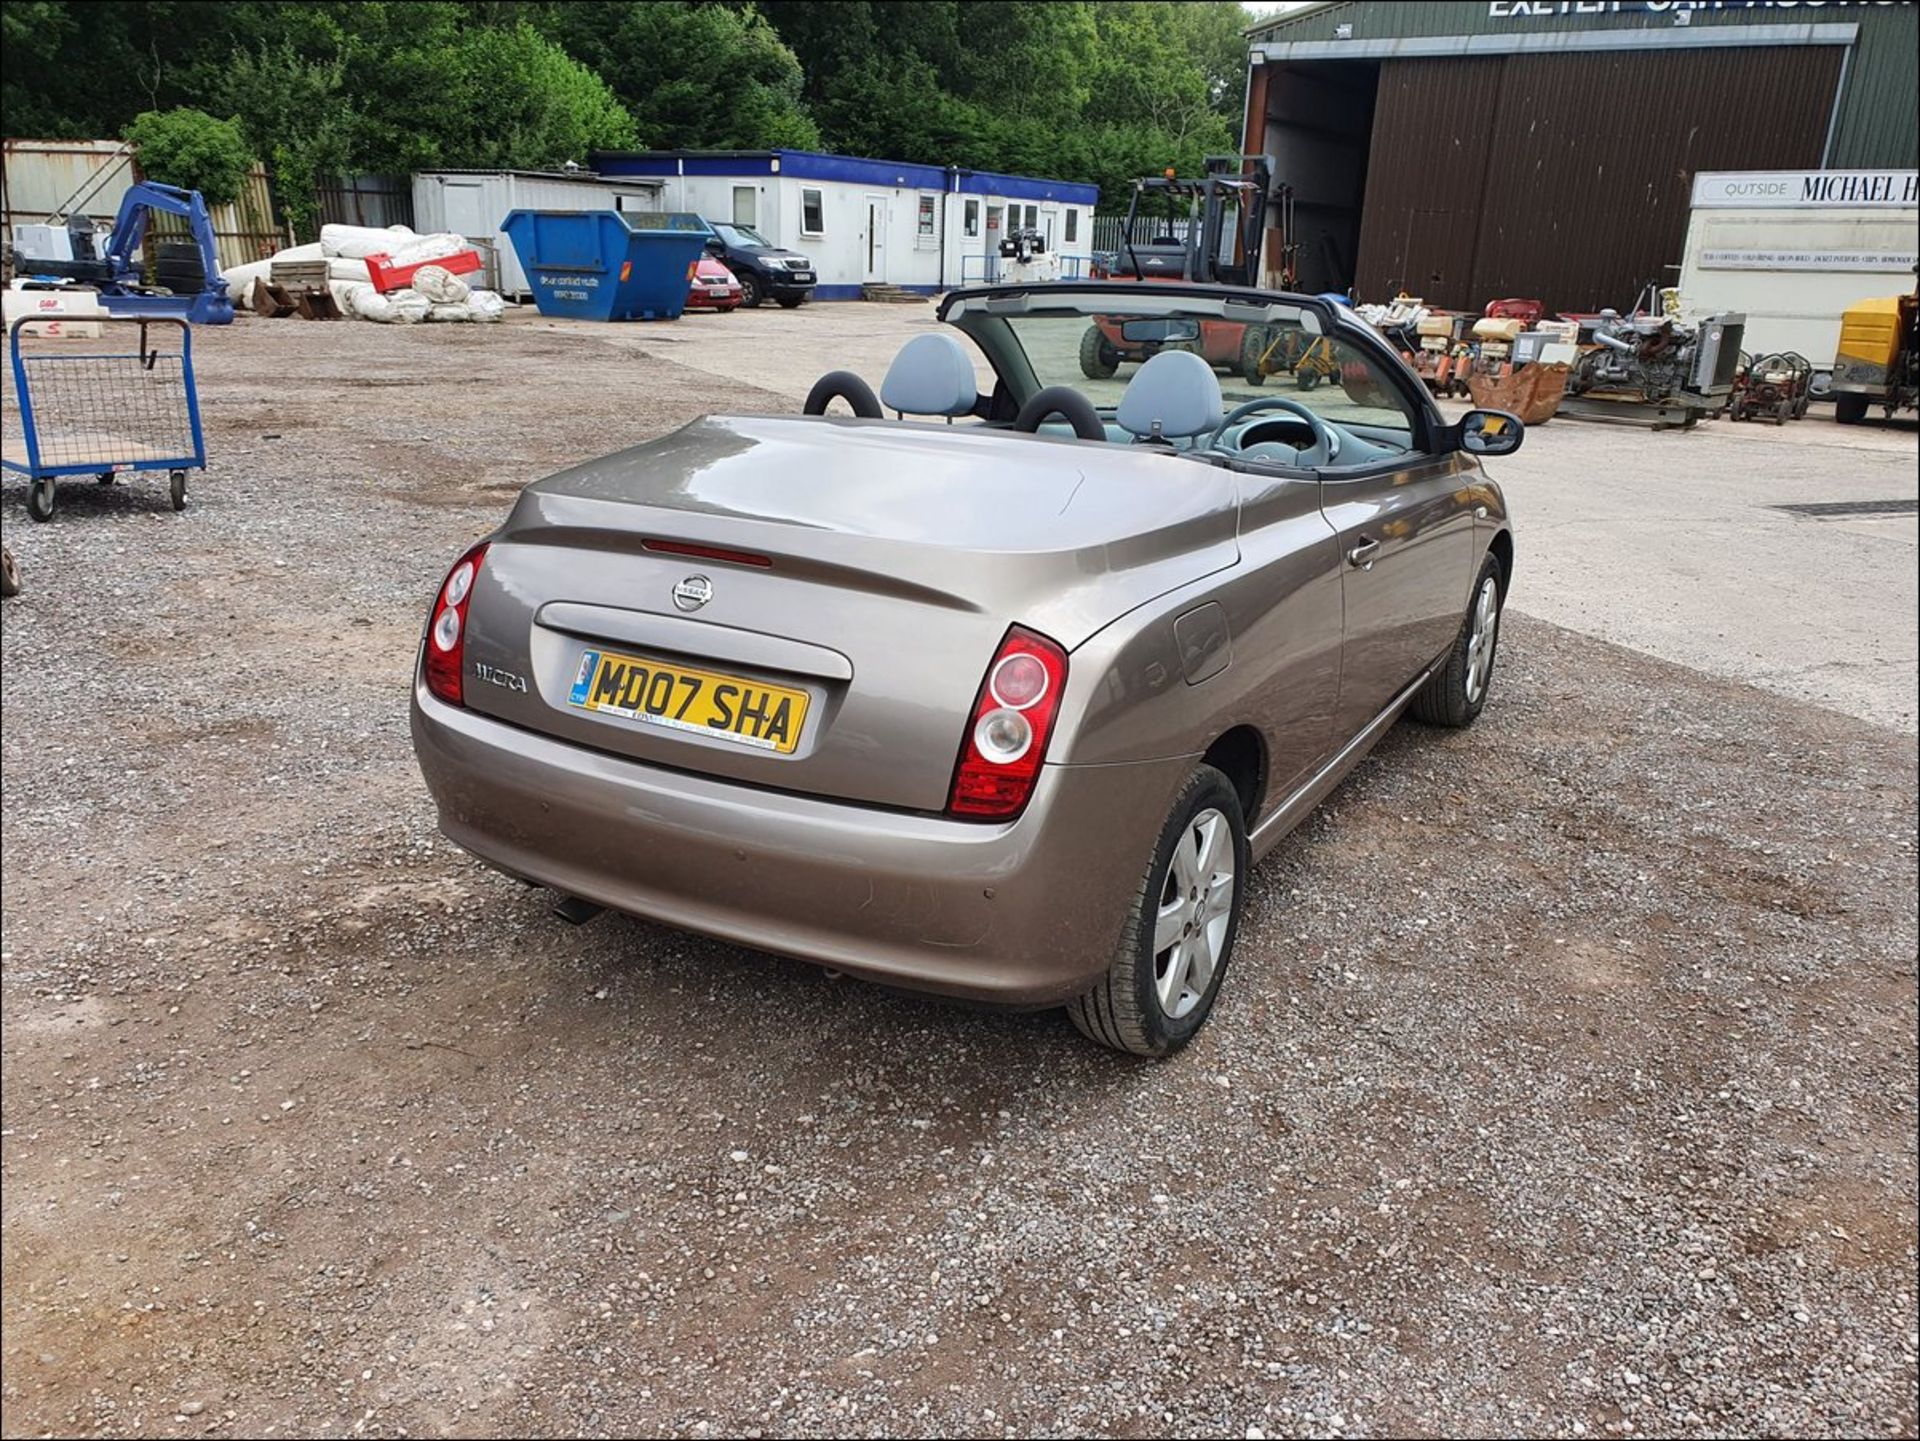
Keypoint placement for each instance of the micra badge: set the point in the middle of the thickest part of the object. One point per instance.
(505, 679)
(693, 592)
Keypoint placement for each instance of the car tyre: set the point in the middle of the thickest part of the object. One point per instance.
(1148, 1003)
(790, 302)
(1457, 692)
(1253, 348)
(1098, 359)
(1849, 409)
(750, 292)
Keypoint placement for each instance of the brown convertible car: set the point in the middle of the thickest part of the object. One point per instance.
(997, 694)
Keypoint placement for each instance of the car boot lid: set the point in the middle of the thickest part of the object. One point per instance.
(1057, 534)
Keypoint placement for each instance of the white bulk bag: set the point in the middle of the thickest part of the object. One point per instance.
(239, 280)
(441, 285)
(410, 307)
(357, 242)
(429, 247)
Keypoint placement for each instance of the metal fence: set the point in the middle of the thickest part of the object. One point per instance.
(243, 229)
(50, 179)
(372, 200)
(1109, 230)
(991, 269)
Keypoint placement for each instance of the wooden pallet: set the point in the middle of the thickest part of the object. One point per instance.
(84, 448)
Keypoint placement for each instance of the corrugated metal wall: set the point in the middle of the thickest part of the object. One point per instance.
(1567, 177)
(1878, 126)
(40, 177)
(1879, 122)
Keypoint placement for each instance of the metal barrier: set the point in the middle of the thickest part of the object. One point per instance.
(989, 269)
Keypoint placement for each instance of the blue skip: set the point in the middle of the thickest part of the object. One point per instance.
(608, 264)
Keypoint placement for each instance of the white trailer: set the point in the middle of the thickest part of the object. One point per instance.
(473, 203)
(1792, 249)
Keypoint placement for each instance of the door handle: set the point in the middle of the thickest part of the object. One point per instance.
(1362, 554)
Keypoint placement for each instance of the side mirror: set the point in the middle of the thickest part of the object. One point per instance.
(1490, 432)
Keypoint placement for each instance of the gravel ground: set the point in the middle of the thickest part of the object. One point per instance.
(1565, 1084)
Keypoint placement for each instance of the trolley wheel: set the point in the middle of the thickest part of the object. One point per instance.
(40, 498)
(105, 477)
(1306, 379)
(178, 490)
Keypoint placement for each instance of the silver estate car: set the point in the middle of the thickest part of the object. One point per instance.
(993, 688)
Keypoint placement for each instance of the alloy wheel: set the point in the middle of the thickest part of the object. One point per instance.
(1196, 909)
(1480, 639)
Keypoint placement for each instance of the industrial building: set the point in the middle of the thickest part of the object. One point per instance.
(868, 222)
(1464, 150)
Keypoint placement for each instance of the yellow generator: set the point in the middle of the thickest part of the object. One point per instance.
(1878, 362)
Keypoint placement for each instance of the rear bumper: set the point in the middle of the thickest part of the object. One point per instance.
(1019, 914)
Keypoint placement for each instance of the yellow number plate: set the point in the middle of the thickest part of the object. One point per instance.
(746, 712)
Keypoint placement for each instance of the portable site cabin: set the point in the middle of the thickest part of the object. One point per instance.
(923, 228)
(473, 203)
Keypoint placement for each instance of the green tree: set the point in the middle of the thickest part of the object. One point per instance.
(431, 91)
(297, 116)
(191, 149)
(1096, 90)
(692, 74)
(1086, 91)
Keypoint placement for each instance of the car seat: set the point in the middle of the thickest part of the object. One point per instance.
(1174, 394)
(930, 376)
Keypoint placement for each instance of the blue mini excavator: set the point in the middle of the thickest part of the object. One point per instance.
(185, 282)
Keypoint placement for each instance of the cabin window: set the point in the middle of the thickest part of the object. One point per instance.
(745, 205)
(813, 213)
(973, 219)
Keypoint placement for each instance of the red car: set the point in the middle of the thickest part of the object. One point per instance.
(711, 286)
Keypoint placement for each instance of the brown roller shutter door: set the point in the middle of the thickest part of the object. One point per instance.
(1567, 177)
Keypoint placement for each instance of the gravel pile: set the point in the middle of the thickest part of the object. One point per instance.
(1565, 1083)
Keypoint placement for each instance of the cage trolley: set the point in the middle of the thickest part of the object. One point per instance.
(125, 405)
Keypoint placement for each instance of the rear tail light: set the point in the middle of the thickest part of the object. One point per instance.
(447, 628)
(1006, 738)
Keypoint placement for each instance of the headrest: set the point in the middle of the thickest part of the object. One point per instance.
(930, 376)
(1174, 393)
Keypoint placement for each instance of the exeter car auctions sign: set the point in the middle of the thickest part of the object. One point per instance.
(1682, 11)
(1806, 190)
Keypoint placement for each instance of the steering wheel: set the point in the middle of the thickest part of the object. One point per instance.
(1325, 436)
